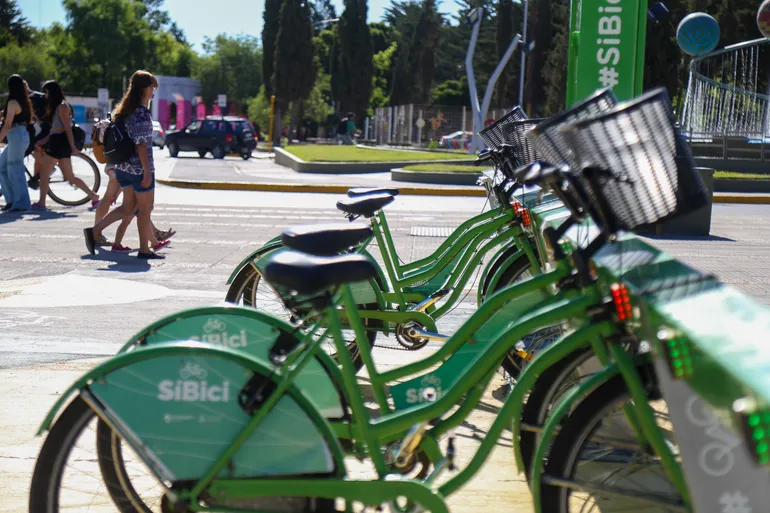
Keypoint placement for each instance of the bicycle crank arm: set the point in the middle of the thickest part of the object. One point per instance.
(415, 332)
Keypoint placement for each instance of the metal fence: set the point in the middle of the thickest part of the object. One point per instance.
(417, 125)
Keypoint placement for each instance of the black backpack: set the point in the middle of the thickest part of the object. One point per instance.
(118, 146)
(342, 128)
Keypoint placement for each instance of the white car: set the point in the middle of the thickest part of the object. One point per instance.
(158, 136)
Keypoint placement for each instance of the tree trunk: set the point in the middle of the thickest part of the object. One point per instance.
(293, 124)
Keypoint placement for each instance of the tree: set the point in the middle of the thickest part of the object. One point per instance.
(356, 60)
(30, 61)
(422, 53)
(295, 68)
(534, 90)
(13, 26)
(555, 68)
(270, 18)
(230, 66)
(504, 32)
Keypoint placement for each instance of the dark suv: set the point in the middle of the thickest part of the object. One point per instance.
(220, 135)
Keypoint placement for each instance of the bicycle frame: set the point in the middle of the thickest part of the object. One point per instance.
(373, 434)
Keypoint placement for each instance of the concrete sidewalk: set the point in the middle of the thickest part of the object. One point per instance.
(262, 174)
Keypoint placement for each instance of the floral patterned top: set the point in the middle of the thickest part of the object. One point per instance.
(139, 128)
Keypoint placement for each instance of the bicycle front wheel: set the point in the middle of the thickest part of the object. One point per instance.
(71, 195)
(597, 464)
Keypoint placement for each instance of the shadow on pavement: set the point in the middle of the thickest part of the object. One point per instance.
(688, 238)
(121, 262)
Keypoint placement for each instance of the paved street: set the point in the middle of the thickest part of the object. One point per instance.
(62, 310)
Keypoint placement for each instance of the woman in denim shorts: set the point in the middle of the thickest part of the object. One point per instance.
(17, 115)
(136, 176)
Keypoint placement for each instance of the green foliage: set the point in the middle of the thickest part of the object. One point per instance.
(231, 66)
(13, 26)
(452, 92)
(295, 70)
(30, 61)
(356, 58)
(259, 109)
(270, 21)
(383, 61)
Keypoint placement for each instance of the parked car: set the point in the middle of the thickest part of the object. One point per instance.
(219, 135)
(456, 140)
(158, 136)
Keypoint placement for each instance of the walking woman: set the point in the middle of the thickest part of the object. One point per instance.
(17, 115)
(59, 145)
(137, 175)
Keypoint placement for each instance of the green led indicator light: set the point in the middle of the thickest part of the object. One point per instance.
(753, 420)
(677, 363)
(759, 434)
(685, 351)
(674, 353)
(678, 373)
(762, 447)
(672, 343)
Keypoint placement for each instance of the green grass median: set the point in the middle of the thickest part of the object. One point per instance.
(331, 153)
(446, 168)
(730, 175)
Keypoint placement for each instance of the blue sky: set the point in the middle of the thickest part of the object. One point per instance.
(196, 18)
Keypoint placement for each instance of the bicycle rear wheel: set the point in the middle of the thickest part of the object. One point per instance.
(63, 193)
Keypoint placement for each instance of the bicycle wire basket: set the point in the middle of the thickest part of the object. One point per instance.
(493, 135)
(634, 163)
(547, 137)
(515, 134)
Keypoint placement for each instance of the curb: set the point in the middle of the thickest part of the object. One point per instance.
(752, 199)
(313, 188)
(435, 177)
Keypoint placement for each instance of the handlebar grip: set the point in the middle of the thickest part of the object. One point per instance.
(484, 155)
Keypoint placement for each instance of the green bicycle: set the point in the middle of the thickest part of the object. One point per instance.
(403, 298)
(274, 449)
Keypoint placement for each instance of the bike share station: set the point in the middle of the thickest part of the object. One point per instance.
(641, 384)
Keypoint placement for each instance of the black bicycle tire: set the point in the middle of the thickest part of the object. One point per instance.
(539, 399)
(247, 275)
(97, 184)
(574, 431)
(53, 455)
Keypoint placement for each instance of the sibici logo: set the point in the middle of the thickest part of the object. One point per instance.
(609, 41)
(429, 391)
(215, 331)
(192, 386)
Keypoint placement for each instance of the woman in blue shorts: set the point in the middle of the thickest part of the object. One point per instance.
(136, 176)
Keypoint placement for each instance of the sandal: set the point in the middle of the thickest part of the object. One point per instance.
(103, 241)
(88, 233)
(160, 245)
(162, 235)
(149, 256)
